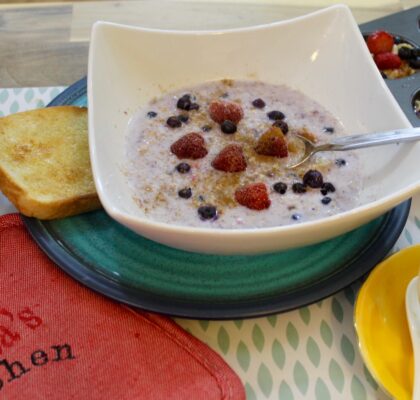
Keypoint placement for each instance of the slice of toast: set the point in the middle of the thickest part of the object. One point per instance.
(44, 162)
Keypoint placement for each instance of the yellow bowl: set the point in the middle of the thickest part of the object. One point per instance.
(381, 323)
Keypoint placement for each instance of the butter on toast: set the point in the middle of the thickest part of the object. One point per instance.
(44, 162)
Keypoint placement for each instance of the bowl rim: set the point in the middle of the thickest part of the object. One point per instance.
(381, 205)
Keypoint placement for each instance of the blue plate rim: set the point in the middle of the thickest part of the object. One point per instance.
(354, 269)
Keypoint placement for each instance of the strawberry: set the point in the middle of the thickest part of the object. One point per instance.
(191, 146)
(272, 143)
(387, 61)
(253, 196)
(223, 110)
(380, 42)
(230, 159)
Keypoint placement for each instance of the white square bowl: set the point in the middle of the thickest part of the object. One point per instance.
(322, 54)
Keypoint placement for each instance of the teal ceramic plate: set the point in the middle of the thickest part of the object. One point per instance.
(109, 258)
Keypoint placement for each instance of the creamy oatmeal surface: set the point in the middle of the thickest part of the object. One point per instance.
(173, 184)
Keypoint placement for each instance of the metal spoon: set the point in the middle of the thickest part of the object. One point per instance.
(357, 142)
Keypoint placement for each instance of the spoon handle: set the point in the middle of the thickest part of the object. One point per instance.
(373, 139)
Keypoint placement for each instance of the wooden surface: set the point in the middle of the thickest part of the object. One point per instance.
(46, 44)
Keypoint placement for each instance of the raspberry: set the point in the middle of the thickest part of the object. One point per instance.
(380, 42)
(387, 61)
(253, 196)
(272, 143)
(223, 110)
(230, 159)
(191, 146)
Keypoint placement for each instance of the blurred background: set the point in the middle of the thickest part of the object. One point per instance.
(33, 31)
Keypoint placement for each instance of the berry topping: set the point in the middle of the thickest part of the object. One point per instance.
(275, 115)
(185, 193)
(296, 217)
(183, 118)
(184, 102)
(228, 127)
(258, 103)
(223, 110)
(405, 53)
(328, 129)
(326, 200)
(272, 143)
(414, 63)
(183, 168)
(313, 179)
(341, 162)
(282, 125)
(152, 114)
(230, 159)
(280, 187)
(380, 42)
(327, 187)
(207, 212)
(387, 61)
(194, 106)
(253, 196)
(174, 122)
(191, 146)
(206, 128)
(299, 188)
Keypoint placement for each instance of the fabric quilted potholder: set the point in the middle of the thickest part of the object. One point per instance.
(59, 340)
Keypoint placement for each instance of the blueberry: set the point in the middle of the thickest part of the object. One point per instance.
(328, 129)
(296, 217)
(183, 168)
(298, 188)
(183, 118)
(185, 193)
(282, 125)
(258, 103)
(275, 115)
(326, 200)
(207, 212)
(327, 187)
(280, 187)
(184, 102)
(313, 178)
(194, 106)
(415, 52)
(341, 162)
(206, 128)
(405, 53)
(174, 122)
(228, 127)
(152, 114)
(384, 75)
(414, 63)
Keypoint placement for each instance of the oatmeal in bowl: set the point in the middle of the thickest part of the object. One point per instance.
(191, 133)
(216, 156)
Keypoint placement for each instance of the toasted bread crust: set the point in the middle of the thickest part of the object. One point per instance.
(44, 162)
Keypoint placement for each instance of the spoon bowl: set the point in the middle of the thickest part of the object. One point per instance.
(357, 142)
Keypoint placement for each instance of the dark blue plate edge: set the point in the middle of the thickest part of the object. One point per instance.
(361, 264)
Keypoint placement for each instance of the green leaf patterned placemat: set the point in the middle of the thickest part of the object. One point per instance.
(309, 353)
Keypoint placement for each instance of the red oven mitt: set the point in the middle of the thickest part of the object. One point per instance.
(59, 340)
